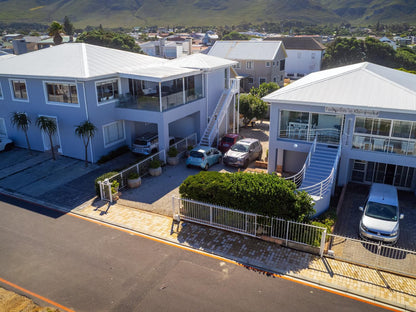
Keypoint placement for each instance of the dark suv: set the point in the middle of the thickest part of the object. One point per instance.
(243, 152)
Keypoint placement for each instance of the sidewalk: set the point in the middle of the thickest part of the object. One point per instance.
(369, 283)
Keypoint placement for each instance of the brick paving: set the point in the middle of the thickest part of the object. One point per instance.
(252, 252)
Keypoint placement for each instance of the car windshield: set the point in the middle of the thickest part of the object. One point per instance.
(239, 148)
(227, 140)
(196, 154)
(381, 211)
(140, 142)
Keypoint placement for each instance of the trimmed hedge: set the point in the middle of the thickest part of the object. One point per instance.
(263, 194)
(102, 178)
(113, 154)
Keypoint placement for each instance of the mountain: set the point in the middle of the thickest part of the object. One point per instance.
(127, 13)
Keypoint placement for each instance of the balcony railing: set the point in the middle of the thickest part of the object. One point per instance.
(327, 135)
(384, 145)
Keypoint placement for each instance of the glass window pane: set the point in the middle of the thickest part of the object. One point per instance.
(381, 127)
(401, 129)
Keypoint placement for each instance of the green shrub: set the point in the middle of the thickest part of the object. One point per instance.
(173, 152)
(263, 194)
(133, 175)
(102, 178)
(155, 163)
(113, 154)
(114, 186)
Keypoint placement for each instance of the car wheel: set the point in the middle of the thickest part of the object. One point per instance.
(8, 147)
(219, 160)
(246, 162)
(206, 167)
(188, 166)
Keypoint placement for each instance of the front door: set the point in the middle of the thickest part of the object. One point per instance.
(56, 140)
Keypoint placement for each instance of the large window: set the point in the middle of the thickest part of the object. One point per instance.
(282, 64)
(193, 88)
(61, 92)
(113, 133)
(107, 90)
(249, 65)
(385, 135)
(19, 89)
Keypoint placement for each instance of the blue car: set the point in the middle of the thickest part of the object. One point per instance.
(203, 157)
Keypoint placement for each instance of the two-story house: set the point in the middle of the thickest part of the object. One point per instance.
(258, 61)
(304, 55)
(123, 94)
(352, 123)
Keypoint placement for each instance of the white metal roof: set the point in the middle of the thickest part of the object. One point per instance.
(201, 61)
(363, 85)
(246, 50)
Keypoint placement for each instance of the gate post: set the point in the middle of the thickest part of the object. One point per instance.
(101, 189)
(323, 238)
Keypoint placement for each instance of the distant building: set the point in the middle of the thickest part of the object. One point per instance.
(167, 49)
(210, 38)
(389, 41)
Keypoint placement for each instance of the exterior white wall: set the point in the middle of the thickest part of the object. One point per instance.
(303, 62)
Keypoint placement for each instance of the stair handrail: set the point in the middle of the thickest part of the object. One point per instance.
(221, 114)
(298, 177)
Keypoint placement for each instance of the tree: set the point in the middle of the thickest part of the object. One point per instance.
(21, 121)
(68, 26)
(55, 30)
(86, 132)
(251, 107)
(264, 89)
(110, 39)
(48, 126)
(234, 35)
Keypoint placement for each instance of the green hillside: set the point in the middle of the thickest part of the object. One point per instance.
(127, 13)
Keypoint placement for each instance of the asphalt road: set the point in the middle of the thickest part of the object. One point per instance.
(90, 267)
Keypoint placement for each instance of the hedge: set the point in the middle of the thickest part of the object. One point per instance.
(263, 194)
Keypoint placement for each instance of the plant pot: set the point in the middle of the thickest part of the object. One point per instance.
(173, 161)
(155, 171)
(133, 183)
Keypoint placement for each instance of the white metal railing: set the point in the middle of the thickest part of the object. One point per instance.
(182, 145)
(220, 112)
(298, 177)
(324, 135)
(373, 254)
(250, 224)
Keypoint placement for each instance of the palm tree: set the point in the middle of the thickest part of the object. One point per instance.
(21, 121)
(48, 125)
(86, 131)
(55, 30)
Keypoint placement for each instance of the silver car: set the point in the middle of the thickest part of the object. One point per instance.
(380, 220)
(243, 152)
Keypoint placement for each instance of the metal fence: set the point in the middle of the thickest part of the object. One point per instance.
(182, 145)
(288, 232)
(372, 254)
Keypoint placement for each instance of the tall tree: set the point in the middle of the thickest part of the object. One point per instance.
(110, 39)
(55, 30)
(68, 26)
(22, 122)
(86, 132)
(251, 107)
(48, 126)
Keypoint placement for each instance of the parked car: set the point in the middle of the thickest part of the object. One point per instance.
(203, 157)
(228, 140)
(148, 143)
(243, 152)
(6, 144)
(380, 220)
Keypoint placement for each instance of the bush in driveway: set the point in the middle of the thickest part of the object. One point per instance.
(263, 194)
(102, 178)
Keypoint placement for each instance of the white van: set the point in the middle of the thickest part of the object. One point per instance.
(380, 220)
(148, 143)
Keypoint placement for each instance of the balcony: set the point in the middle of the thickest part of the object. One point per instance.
(384, 145)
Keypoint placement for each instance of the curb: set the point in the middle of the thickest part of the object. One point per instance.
(239, 261)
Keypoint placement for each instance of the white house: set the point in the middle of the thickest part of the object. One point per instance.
(363, 120)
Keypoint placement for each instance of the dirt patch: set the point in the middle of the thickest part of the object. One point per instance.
(12, 302)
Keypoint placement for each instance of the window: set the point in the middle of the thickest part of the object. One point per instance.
(262, 80)
(107, 90)
(267, 64)
(19, 90)
(113, 133)
(282, 64)
(274, 79)
(61, 92)
(249, 65)
(237, 65)
(274, 63)
(313, 55)
(250, 80)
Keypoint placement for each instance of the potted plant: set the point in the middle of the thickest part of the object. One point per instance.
(114, 189)
(155, 168)
(134, 180)
(173, 158)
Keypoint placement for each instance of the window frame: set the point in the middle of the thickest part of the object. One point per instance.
(106, 145)
(269, 64)
(251, 65)
(262, 78)
(252, 80)
(110, 100)
(68, 104)
(11, 80)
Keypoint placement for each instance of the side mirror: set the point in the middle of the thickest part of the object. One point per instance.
(401, 216)
(361, 208)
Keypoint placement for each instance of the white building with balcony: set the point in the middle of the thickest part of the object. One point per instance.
(352, 123)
